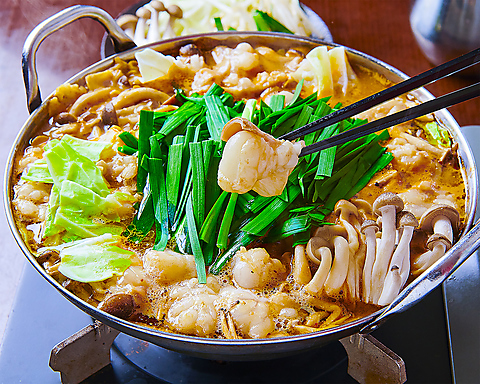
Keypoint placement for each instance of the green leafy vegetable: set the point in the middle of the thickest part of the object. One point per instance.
(218, 24)
(198, 184)
(173, 176)
(80, 201)
(271, 212)
(39, 172)
(125, 149)
(437, 135)
(91, 150)
(195, 242)
(145, 130)
(277, 102)
(294, 225)
(227, 222)
(143, 220)
(217, 116)
(94, 259)
(81, 227)
(249, 109)
(207, 232)
(159, 195)
(129, 139)
(265, 22)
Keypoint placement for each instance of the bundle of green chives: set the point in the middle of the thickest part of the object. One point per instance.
(179, 152)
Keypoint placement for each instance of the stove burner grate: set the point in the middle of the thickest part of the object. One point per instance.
(89, 350)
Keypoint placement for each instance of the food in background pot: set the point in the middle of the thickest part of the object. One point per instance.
(160, 20)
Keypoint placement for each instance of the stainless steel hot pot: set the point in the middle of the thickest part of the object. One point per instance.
(201, 347)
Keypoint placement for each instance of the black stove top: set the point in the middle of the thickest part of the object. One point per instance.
(41, 318)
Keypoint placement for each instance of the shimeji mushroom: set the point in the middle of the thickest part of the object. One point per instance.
(395, 280)
(363, 207)
(155, 7)
(400, 263)
(347, 214)
(386, 205)
(121, 305)
(140, 37)
(369, 229)
(344, 211)
(128, 22)
(406, 222)
(335, 235)
(442, 219)
(175, 13)
(437, 244)
(319, 252)
(301, 270)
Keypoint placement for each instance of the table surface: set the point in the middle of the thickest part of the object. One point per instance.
(378, 28)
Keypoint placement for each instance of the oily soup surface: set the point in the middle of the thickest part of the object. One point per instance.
(269, 288)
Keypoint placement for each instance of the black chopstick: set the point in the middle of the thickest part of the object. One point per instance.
(443, 70)
(397, 118)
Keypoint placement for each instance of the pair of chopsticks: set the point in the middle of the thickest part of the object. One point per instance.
(418, 81)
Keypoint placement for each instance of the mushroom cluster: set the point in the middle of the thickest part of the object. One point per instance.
(339, 252)
(369, 260)
(144, 27)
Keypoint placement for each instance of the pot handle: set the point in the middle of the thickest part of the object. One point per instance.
(121, 43)
(431, 278)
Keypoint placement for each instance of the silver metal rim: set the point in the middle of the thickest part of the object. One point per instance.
(197, 344)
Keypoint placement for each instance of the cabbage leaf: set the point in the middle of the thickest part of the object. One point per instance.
(437, 135)
(38, 172)
(94, 259)
(80, 200)
(65, 163)
(153, 64)
(88, 148)
(320, 62)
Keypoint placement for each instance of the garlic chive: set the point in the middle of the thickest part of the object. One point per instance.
(217, 116)
(129, 139)
(209, 226)
(159, 195)
(249, 109)
(218, 24)
(145, 130)
(174, 164)
(277, 102)
(226, 222)
(195, 243)
(198, 182)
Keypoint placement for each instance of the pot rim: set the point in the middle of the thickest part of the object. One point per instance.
(142, 331)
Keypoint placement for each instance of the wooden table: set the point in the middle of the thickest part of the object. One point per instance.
(378, 28)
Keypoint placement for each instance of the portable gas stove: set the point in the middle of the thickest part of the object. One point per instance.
(438, 341)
